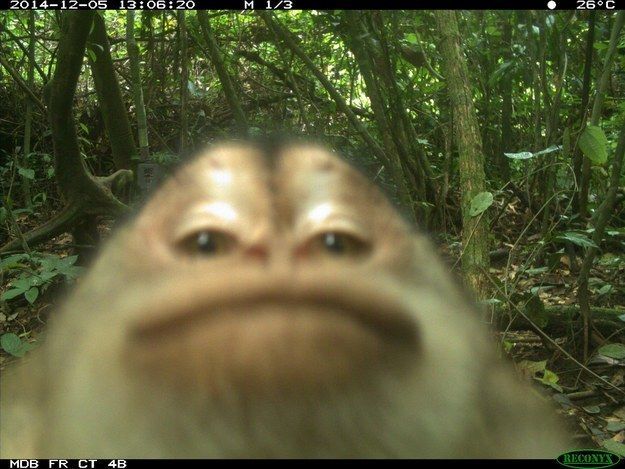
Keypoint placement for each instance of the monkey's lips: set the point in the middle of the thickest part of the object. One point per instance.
(265, 342)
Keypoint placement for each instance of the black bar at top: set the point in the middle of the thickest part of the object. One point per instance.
(240, 5)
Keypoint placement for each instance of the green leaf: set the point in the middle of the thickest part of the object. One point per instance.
(530, 368)
(537, 270)
(13, 345)
(524, 155)
(26, 173)
(411, 38)
(12, 293)
(615, 426)
(600, 45)
(46, 276)
(614, 447)
(499, 73)
(577, 239)
(31, 295)
(550, 149)
(19, 211)
(480, 203)
(53, 265)
(616, 351)
(551, 379)
(606, 289)
(66, 261)
(13, 261)
(594, 144)
(24, 283)
(10, 342)
(40, 198)
(592, 409)
(71, 273)
(493, 30)
(52, 262)
(541, 288)
(91, 55)
(49, 262)
(490, 301)
(566, 142)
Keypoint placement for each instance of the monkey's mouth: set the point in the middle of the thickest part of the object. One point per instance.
(389, 325)
(302, 337)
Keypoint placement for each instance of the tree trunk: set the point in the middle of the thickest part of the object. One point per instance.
(110, 98)
(184, 81)
(602, 215)
(395, 150)
(341, 104)
(507, 139)
(595, 116)
(28, 117)
(222, 72)
(475, 260)
(137, 88)
(577, 155)
(84, 195)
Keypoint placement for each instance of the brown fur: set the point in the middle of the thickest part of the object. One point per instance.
(275, 348)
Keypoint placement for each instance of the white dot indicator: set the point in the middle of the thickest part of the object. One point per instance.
(551, 4)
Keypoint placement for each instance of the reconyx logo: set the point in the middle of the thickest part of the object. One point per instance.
(588, 458)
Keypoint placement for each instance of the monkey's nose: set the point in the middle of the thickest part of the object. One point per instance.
(257, 252)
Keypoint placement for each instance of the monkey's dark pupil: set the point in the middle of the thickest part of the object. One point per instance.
(206, 242)
(334, 243)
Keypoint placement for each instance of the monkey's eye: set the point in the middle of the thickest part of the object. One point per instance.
(340, 244)
(208, 243)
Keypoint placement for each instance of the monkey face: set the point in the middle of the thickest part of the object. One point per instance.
(284, 270)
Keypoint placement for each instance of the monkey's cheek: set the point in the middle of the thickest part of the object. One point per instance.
(270, 351)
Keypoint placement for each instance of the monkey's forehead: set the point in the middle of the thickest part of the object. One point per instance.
(286, 184)
(261, 159)
(284, 170)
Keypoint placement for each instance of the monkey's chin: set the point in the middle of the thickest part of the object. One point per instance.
(269, 350)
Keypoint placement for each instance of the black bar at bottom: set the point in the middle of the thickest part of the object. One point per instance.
(202, 463)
